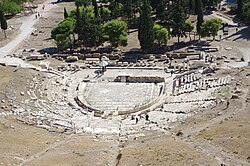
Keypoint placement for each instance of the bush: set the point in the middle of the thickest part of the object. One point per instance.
(10, 7)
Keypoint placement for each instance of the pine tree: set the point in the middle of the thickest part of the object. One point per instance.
(178, 17)
(65, 13)
(160, 10)
(240, 7)
(78, 23)
(3, 22)
(128, 9)
(200, 20)
(94, 3)
(196, 4)
(191, 5)
(145, 27)
(87, 26)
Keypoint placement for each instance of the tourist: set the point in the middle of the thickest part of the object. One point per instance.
(147, 117)
(36, 16)
(171, 72)
(136, 120)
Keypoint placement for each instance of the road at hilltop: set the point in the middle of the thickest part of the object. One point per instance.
(25, 30)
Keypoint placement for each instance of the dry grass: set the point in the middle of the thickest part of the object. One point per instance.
(232, 134)
(19, 141)
(163, 151)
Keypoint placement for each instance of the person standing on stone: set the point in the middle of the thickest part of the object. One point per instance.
(171, 72)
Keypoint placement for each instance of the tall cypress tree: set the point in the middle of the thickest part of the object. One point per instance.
(240, 7)
(94, 3)
(191, 5)
(145, 27)
(78, 26)
(65, 13)
(128, 9)
(196, 6)
(178, 17)
(160, 10)
(200, 20)
(3, 22)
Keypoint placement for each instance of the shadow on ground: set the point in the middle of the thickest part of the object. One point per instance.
(241, 34)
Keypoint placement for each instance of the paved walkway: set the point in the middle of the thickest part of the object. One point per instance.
(26, 28)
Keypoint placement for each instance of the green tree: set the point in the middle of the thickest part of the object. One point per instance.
(246, 13)
(87, 26)
(145, 27)
(94, 3)
(179, 16)
(84, 3)
(156, 28)
(240, 7)
(3, 22)
(188, 28)
(104, 13)
(191, 6)
(154, 3)
(160, 10)
(161, 34)
(65, 13)
(211, 3)
(115, 32)
(116, 9)
(128, 9)
(10, 7)
(211, 27)
(199, 9)
(63, 34)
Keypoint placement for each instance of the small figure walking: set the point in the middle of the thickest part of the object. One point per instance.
(36, 16)
(147, 117)
(171, 72)
(43, 7)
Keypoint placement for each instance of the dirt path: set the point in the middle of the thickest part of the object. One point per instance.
(25, 29)
(208, 148)
(41, 153)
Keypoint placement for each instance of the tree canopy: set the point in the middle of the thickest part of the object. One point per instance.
(3, 22)
(62, 34)
(161, 34)
(244, 10)
(211, 27)
(10, 7)
(115, 31)
(156, 21)
(188, 27)
(145, 27)
(178, 18)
